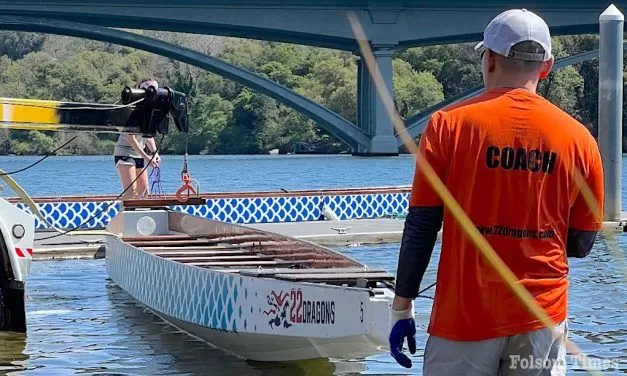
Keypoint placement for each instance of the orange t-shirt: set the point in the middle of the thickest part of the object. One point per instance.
(508, 158)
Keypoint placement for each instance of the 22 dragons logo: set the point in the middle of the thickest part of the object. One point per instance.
(300, 311)
(279, 303)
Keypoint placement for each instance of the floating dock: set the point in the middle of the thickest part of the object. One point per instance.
(334, 217)
(90, 244)
(95, 212)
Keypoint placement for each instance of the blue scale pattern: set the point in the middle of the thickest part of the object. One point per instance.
(194, 295)
(66, 215)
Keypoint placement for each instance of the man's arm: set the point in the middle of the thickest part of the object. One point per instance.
(580, 242)
(424, 220)
(586, 215)
(419, 237)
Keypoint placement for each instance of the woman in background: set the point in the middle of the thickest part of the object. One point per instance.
(130, 157)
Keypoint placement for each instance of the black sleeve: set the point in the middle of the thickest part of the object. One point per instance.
(419, 236)
(579, 242)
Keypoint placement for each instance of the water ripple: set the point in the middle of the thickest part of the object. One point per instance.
(80, 323)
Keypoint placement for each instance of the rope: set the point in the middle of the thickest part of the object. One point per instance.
(426, 288)
(40, 160)
(392, 286)
(21, 193)
(189, 184)
(104, 107)
(24, 197)
(155, 183)
(114, 200)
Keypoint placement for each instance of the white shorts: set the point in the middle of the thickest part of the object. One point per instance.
(538, 353)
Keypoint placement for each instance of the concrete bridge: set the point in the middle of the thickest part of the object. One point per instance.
(389, 25)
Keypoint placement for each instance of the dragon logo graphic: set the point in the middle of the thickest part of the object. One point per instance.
(279, 305)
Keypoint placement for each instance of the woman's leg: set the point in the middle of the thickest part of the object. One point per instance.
(142, 182)
(127, 175)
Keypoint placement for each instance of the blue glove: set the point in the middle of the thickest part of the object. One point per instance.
(403, 326)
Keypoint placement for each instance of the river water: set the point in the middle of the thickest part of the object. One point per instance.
(92, 175)
(79, 322)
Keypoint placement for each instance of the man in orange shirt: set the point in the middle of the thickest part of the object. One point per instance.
(512, 161)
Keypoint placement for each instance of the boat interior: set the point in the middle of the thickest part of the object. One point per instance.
(232, 248)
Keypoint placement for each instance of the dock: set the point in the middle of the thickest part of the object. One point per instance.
(90, 244)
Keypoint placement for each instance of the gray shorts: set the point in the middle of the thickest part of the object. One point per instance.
(538, 353)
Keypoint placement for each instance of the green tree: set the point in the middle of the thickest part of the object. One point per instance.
(250, 111)
(456, 67)
(226, 117)
(37, 143)
(564, 88)
(210, 114)
(16, 45)
(414, 91)
(332, 82)
(243, 53)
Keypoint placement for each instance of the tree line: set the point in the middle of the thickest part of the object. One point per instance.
(229, 118)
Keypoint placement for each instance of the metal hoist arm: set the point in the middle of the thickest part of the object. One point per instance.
(143, 112)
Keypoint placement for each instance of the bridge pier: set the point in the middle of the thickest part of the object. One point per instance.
(372, 118)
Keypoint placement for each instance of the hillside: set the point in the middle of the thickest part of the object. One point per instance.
(227, 118)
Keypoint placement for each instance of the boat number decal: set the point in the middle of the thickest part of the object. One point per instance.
(361, 311)
(289, 308)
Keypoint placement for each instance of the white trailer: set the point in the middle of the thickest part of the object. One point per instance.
(17, 235)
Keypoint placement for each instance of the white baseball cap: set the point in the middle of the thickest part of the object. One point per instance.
(515, 26)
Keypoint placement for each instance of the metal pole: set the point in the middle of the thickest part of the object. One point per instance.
(611, 107)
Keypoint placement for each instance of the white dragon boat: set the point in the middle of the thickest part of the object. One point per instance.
(255, 294)
(258, 295)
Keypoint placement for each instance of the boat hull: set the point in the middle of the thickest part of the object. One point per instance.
(260, 319)
(276, 348)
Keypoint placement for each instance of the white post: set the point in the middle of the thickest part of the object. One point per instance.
(611, 107)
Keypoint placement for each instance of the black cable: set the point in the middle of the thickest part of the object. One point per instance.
(40, 160)
(426, 288)
(419, 295)
(114, 200)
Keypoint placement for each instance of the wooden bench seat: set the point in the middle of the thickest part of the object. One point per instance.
(193, 248)
(250, 263)
(324, 277)
(169, 237)
(272, 272)
(130, 239)
(200, 241)
(238, 258)
(181, 254)
(174, 243)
